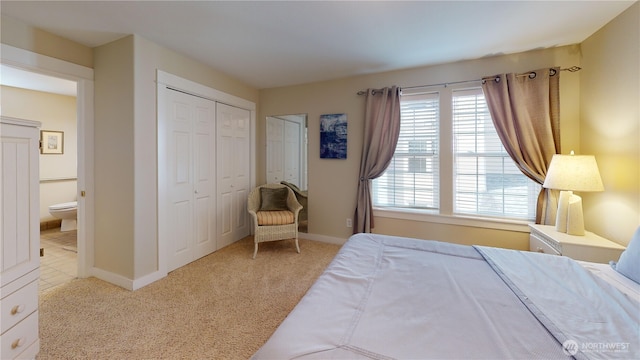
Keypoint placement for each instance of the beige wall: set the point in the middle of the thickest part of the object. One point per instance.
(114, 157)
(58, 113)
(610, 124)
(125, 115)
(18, 34)
(333, 183)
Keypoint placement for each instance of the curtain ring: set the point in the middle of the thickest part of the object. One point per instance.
(532, 75)
(552, 72)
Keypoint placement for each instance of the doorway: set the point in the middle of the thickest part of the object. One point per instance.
(32, 64)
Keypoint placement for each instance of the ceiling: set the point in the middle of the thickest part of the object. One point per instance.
(270, 44)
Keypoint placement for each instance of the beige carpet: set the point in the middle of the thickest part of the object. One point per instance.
(223, 306)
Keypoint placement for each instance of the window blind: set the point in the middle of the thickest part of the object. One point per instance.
(486, 180)
(412, 179)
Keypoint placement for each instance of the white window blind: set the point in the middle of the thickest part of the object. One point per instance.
(486, 180)
(412, 180)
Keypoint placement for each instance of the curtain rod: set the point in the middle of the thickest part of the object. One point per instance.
(530, 74)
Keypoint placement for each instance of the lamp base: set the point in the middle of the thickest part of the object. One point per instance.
(563, 209)
(569, 218)
(575, 219)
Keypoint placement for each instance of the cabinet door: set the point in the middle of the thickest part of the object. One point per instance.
(19, 223)
(233, 172)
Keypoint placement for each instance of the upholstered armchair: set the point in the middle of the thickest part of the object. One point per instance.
(274, 211)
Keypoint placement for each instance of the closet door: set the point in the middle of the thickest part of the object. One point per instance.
(291, 151)
(187, 208)
(234, 170)
(275, 150)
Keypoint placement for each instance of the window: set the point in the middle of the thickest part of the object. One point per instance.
(485, 181)
(411, 180)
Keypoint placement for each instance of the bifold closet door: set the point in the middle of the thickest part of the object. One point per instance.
(275, 150)
(292, 139)
(187, 210)
(234, 172)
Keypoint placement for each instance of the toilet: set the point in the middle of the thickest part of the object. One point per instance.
(67, 212)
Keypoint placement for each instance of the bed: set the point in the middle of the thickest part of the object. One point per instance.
(385, 297)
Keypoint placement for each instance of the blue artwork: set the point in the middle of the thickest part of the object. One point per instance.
(333, 136)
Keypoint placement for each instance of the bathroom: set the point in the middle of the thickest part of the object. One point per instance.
(58, 172)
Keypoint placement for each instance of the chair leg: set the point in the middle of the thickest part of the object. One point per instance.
(255, 249)
(297, 246)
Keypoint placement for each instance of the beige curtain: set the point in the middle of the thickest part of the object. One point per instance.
(525, 110)
(381, 131)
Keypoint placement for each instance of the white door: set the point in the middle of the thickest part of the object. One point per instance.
(187, 209)
(275, 147)
(292, 141)
(234, 170)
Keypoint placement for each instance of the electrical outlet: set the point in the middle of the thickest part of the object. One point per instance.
(349, 223)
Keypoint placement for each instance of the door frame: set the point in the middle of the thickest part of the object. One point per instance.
(83, 77)
(164, 80)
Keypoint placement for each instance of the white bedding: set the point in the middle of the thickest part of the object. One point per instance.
(388, 297)
(614, 278)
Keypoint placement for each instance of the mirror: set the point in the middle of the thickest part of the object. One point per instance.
(287, 157)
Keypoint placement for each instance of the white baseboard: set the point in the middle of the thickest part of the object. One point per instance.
(322, 238)
(112, 278)
(124, 282)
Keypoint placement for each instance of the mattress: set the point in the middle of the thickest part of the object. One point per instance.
(385, 297)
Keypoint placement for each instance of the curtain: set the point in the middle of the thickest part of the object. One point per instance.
(381, 131)
(526, 113)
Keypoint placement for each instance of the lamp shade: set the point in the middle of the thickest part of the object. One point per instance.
(574, 173)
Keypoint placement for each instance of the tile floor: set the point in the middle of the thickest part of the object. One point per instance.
(59, 263)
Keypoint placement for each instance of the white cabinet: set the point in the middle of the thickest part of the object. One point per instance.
(19, 238)
(590, 247)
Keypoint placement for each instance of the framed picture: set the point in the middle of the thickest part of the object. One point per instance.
(333, 136)
(51, 142)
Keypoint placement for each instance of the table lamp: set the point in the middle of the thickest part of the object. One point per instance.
(570, 173)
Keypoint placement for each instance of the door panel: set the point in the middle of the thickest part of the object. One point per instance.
(275, 156)
(189, 204)
(292, 152)
(234, 169)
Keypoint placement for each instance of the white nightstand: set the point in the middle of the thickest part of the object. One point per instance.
(590, 247)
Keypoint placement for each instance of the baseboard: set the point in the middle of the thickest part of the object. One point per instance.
(112, 278)
(148, 279)
(51, 224)
(124, 282)
(322, 238)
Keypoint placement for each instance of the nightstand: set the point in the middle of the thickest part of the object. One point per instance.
(590, 247)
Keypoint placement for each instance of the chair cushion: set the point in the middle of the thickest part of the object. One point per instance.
(282, 217)
(273, 198)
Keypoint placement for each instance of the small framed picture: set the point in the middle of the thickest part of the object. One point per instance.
(51, 142)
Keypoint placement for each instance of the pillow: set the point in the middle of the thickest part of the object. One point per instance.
(629, 262)
(273, 199)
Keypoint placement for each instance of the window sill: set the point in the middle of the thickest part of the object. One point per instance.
(431, 217)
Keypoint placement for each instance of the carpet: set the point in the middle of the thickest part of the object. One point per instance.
(222, 306)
